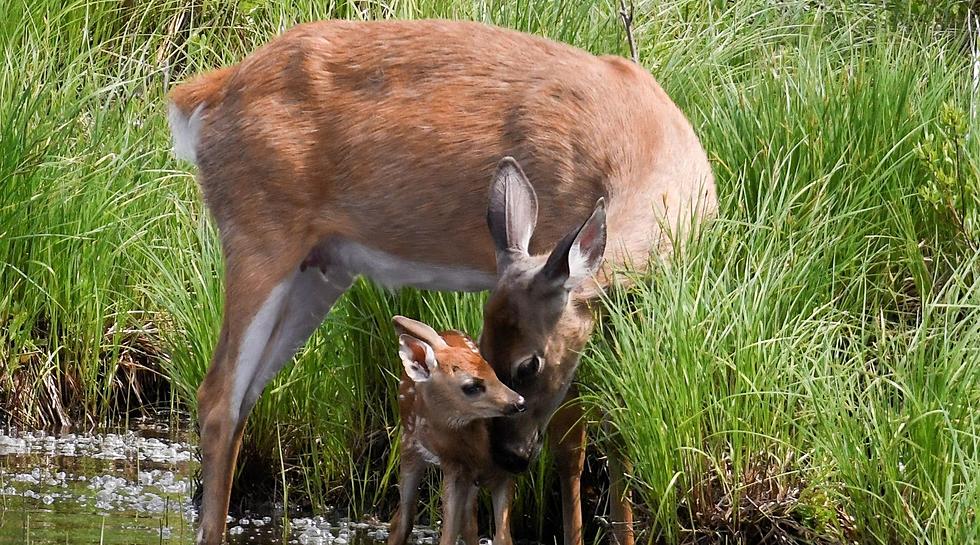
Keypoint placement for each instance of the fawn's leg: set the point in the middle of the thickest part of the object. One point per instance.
(471, 525)
(503, 498)
(412, 471)
(458, 495)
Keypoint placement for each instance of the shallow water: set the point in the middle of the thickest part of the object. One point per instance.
(134, 487)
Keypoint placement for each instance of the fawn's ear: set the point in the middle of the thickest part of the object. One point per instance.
(415, 328)
(417, 357)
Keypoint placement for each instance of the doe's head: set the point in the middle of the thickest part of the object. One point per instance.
(534, 325)
(451, 375)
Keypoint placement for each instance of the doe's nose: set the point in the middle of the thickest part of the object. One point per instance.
(510, 461)
(517, 407)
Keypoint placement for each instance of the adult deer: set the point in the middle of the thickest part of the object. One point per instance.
(367, 148)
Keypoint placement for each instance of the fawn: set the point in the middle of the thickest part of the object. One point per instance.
(446, 397)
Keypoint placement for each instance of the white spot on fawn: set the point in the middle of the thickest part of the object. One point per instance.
(470, 345)
(427, 454)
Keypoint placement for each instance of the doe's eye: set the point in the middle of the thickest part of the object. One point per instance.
(528, 368)
(474, 388)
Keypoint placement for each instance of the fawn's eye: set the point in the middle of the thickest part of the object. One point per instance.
(527, 369)
(474, 388)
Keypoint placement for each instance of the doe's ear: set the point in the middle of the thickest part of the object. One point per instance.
(579, 254)
(512, 211)
(418, 358)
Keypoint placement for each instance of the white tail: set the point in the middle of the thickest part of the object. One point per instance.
(185, 129)
(369, 148)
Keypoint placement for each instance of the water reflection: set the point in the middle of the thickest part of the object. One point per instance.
(134, 487)
(106, 487)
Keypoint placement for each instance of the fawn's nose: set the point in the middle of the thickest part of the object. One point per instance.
(517, 407)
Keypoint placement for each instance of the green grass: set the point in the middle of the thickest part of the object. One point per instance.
(827, 326)
(812, 357)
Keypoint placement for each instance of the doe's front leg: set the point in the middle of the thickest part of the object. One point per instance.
(620, 498)
(566, 435)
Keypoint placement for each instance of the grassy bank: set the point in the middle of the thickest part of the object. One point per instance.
(810, 365)
(814, 357)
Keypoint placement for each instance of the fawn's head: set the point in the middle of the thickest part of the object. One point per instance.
(534, 325)
(451, 376)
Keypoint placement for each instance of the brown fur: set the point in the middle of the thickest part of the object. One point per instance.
(338, 128)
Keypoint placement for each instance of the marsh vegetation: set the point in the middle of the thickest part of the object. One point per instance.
(808, 368)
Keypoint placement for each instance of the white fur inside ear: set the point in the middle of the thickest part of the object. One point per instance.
(416, 370)
(579, 267)
(522, 213)
(513, 208)
(518, 224)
